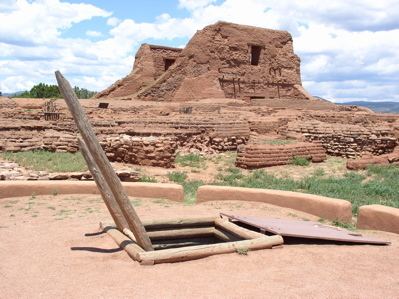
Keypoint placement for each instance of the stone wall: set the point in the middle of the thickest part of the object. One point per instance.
(149, 151)
(264, 155)
(344, 139)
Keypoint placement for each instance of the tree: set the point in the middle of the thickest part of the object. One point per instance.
(43, 90)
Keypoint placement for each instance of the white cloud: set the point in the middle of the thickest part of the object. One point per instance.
(349, 49)
(113, 21)
(93, 33)
(194, 4)
(40, 22)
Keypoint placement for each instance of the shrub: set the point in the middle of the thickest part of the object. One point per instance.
(177, 176)
(300, 161)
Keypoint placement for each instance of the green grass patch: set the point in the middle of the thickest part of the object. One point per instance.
(189, 186)
(380, 185)
(300, 161)
(190, 189)
(47, 161)
(191, 160)
(177, 176)
(345, 225)
(147, 179)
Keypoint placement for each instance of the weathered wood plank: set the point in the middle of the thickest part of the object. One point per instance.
(102, 162)
(105, 190)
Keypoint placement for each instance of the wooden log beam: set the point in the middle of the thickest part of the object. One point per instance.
(131, 247)
(102, 162)
(181, 233)
(200, 251)
(225, 236)
(177, 223)
(105, 190)
(237, 230)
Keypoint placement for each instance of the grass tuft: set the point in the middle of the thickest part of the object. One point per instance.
(147, 179)
(300, 161)
(190, 160)
(177, 176)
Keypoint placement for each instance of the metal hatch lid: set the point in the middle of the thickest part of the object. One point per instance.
(304, 229)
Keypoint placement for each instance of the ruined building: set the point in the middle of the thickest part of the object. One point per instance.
(223, 60)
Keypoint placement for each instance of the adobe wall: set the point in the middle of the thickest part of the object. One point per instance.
(253, 156)
(149, 64)
(224, 67)
(378, 217)
(325, 207)
(143, 190)
(344, 139)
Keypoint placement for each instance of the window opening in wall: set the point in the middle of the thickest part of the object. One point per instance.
(168, 63)
(255, 54)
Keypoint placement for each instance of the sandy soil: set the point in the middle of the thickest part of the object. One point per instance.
(44, 253)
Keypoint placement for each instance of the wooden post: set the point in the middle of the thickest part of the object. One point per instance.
(124, 242)
(105, 190)
(102, 162)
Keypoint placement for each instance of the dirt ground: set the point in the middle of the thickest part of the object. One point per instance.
(44, 253)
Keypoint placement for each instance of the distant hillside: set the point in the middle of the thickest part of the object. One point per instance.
(388, 107)
(12, 94)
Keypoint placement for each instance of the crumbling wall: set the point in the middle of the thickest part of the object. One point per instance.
(344, 139)
(149, 151)
(265, 155)
(150, 63)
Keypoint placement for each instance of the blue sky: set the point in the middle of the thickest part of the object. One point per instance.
(349, 50)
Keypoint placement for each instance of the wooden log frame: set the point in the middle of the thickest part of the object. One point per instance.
(136, 241)
(104, 166)
(177, 235)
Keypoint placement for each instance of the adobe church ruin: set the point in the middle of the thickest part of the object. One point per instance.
(180, 106)
(223, 60)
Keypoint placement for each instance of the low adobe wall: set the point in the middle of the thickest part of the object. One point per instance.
(27, 188)
(265, 155)
(328, 208)
(363, 163)
(378, 217)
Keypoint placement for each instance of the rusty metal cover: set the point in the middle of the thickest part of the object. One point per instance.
(304, 229)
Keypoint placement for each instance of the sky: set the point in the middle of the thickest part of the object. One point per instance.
(349, 49)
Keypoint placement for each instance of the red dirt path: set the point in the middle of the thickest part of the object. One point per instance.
(36, 260)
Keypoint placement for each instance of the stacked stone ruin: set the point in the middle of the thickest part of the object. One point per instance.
(345, 139)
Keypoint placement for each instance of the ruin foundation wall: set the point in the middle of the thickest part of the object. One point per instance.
(264, 155)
